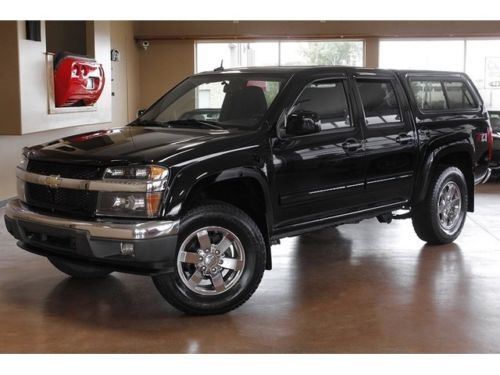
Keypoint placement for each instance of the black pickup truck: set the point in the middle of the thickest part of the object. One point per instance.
(197, 189)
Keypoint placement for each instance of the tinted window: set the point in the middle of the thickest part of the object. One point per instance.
(379, 102)
(429, 95)
(328, 100)
(459, 96)
(232, 100)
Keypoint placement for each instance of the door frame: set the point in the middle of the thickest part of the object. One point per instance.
(353, 131)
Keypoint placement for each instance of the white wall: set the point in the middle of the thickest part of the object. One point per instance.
(33, 84)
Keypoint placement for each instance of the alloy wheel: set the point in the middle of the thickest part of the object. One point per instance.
(211, 260)
(449, 207)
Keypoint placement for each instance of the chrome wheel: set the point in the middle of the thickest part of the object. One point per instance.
(449, 207)
(211, 260)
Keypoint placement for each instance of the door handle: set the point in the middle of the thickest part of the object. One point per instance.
(404, 139)
(351, 145)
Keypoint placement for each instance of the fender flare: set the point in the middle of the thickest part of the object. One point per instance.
(182, 187)
(430, 160)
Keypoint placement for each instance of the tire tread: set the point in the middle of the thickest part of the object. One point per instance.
(423, 213)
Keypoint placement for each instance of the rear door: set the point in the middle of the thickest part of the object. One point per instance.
(390, 139)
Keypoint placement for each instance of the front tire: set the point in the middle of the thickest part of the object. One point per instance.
(221, 258)
(439, 219)
(79, 271)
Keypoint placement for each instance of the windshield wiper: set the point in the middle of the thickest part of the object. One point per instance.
(192, 121)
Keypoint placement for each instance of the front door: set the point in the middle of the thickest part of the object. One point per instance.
(319, 175)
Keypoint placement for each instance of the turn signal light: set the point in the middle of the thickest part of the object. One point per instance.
(153, 201)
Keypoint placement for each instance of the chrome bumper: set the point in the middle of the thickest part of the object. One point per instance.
(16, 210)
(483, 178)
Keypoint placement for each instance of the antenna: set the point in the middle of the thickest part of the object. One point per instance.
(221, 67)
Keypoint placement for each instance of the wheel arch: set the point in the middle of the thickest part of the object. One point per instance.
(460, 155)
(245, 188)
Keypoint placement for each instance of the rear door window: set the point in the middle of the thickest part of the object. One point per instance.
(379, 102)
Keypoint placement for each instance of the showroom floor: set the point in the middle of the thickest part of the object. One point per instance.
(365, 288)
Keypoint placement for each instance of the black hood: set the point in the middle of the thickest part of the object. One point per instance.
(139, 144)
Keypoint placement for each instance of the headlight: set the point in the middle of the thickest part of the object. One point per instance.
(150, 172)
(128, 204)
(133, 204)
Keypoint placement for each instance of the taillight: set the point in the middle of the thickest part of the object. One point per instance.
(490, 144)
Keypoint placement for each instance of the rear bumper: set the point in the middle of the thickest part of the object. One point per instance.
(95, 242)
(482, 177)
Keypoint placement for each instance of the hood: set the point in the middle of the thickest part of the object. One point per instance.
(137, 144)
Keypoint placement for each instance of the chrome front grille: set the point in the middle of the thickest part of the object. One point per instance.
(81, 203)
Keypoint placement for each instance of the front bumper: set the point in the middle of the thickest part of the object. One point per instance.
(96, 242)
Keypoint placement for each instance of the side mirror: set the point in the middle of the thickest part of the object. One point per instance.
(302, 123)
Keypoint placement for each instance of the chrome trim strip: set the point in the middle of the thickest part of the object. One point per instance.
(348, 214)
(343, 187)
(389, 179)
(16, 210)
(325, 190)
(128, 186)
(355, 185)
(359, 184)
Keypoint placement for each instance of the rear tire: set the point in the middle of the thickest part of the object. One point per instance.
(79, 271)
(439, 219)
(221, 258)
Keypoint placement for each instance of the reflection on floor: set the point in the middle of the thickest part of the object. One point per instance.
(365, 288)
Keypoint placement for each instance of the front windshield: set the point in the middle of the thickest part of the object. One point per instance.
(217, 101)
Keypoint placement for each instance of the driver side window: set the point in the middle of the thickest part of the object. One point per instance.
(327, 102)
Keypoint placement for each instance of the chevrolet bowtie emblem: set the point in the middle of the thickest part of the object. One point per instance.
(53, 181)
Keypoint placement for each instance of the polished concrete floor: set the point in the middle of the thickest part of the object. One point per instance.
(362, 288)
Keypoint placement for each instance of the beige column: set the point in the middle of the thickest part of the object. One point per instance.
(371, 52)
(10, 99)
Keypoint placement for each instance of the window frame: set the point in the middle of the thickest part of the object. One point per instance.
(279, 41)
(445, 91)
(345, 85)
(442, 79)
(391, 79)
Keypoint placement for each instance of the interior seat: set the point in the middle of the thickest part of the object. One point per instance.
(248, 102)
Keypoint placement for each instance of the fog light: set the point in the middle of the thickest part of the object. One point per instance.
(127, 249)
